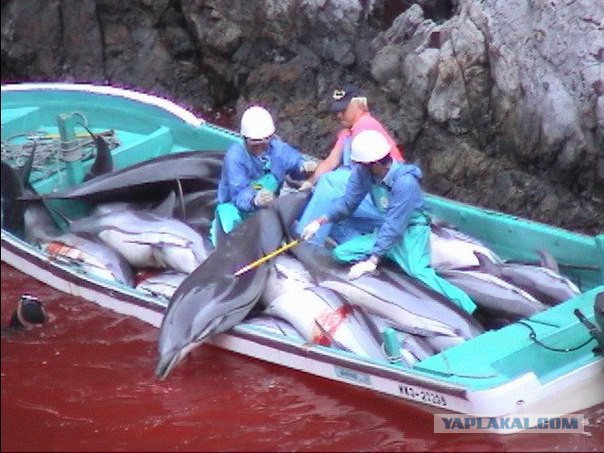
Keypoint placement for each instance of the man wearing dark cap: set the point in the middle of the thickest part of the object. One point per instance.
(331, 176)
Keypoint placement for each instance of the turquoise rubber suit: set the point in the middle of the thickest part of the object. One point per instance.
(404, 233)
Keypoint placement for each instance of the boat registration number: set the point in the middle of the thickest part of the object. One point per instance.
(425, 396)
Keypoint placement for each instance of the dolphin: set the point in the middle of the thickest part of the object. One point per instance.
(324, 317)
(164, 208)
(412, 306)
(92, 257)
(452, 249)
(289, 279)
(197, 209)
(103, 162)
(273, 325)
(12, 210)
(146, 239)
(543, 281)
(413, 348)
(321, 315)
(14, 184)
(212, 299)
(103, 209)
(162, 284)
(493, 295)
(185, 171)
(36, 226)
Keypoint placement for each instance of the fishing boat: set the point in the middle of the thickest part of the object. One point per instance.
(548, 363)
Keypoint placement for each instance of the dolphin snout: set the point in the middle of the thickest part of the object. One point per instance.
(165, 365)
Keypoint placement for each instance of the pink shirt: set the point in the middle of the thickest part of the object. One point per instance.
(368, 122)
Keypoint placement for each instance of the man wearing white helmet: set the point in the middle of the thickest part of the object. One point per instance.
(254, 171)
(404, 232)
(331, 176)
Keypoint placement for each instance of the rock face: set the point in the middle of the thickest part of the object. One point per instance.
(500, 103)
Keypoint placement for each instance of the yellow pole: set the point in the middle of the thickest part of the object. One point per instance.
(265, 258)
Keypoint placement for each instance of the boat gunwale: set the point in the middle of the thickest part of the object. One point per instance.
(126, 93)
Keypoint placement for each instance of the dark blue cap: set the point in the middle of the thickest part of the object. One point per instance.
(341, 97)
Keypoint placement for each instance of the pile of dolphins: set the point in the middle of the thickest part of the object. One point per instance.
(156, 215)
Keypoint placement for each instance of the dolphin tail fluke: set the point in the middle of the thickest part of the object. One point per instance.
(14, 183)
(12, 209)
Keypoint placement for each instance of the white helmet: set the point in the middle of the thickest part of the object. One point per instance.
(257, 123)
(369, 146)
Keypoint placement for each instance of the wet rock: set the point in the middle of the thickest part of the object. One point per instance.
(500, 102)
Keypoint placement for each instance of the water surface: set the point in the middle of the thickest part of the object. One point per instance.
(84, 382)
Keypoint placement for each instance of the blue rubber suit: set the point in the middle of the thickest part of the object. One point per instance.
(404, 233)
(244, 174)
(330, 187)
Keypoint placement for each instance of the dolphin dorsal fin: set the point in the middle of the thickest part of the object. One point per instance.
(166, 207)
(486, 265)
(25, 171)
(548, 261)
(12, 210)
(103, 162)
(181, 200)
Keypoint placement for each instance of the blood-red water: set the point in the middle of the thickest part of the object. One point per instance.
(84, 382)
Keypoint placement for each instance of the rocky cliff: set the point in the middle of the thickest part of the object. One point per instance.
(500, 103)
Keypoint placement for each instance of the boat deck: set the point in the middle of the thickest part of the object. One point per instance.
(507, 353)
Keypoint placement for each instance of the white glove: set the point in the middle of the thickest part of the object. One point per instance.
(310, 230)
(309, 166)
(362, 268)
(306, 186)
(263, 198)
